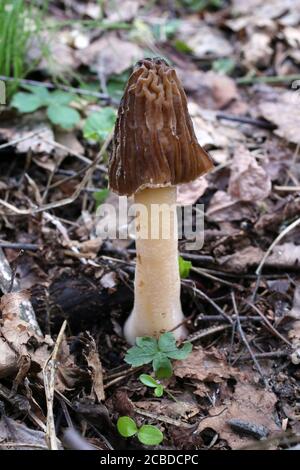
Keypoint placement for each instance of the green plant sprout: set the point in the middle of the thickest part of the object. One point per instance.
(159, 389)
(151, 382)
(146, 434)
(158, 352)
(184, 267)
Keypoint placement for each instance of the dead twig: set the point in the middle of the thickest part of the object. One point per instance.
(269, 324)
(49, 384)
(245, 341)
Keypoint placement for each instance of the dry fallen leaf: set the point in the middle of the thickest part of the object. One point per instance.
(284, 113)
(189, 193)
(248, 403)
(8, 360)
(223, 207)
(248, 180)
(211, 90)
(204, 366)
(242, 260)
(110, 55)
(17, 436)
(203, 40)
(257, 50)
(121, 11)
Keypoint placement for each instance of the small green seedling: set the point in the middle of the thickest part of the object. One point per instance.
(57, 104)
(184, 267)
(151, 382)
(146, 434)
(158, 352)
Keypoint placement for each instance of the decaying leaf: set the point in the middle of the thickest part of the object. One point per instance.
(203, 40)
(184, 407)
(257, 51)
(248, 180)
(17, 436)
(284, 113)
(241, 260)
(95, 367)
(8, 360)
(204, 366)
(223, 207)
(110, 55)
(248, 403)
(189, 193)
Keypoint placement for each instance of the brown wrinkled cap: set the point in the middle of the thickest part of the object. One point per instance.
(154, 141)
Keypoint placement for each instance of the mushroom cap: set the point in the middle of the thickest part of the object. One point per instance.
(154, 141)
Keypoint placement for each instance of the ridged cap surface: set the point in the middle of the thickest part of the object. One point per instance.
(154, 141)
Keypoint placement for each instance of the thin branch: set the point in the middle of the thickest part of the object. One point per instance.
(49, 383)
(52, 86)
(245, 341)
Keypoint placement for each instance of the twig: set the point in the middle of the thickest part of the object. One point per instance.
(19, 246)
(267, 253)
(49, 383)
(72, 152)
(21, 139)
(22, 444)
(266, 321)
(207, 332)
(266, 79)
(288, 189)
(164, 419)
(266, 355)
(221, 318)
(204, 273)
(208, 299)
(245, 120)
(52, 86)
(245, 341)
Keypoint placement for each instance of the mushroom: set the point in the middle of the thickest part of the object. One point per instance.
(155, 149)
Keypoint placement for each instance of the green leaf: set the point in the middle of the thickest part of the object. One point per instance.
(116, 85)
(61, 97)
(99, 124)
(64, 116)
(162, 366)
(167, 342)
(26, 102)
(148, 380)
(184, 267)
(100, 196)
(40, 91)
(182, 353)
(150, 435)
(126, 426)
(159, 391)
(147, 342)
(143, 353)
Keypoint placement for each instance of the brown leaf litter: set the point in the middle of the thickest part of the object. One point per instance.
(248, 404)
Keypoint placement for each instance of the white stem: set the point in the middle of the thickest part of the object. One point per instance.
(157, 306)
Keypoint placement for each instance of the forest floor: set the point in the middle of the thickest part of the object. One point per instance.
(239, 63)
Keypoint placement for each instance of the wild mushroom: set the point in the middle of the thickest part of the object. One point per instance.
(155, 148)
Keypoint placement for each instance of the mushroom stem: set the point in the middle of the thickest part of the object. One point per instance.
(157, 306)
